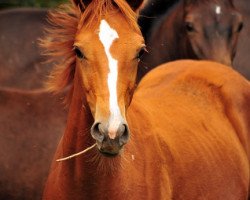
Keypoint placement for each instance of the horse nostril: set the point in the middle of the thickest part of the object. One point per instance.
(124, 134)
(97, 132)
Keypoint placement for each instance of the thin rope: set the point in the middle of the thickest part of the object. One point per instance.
(76, 154)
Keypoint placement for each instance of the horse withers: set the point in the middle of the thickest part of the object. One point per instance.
(204, 29)
(179, 137)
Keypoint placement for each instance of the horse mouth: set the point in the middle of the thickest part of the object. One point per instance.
(109, 148)
(109, 154)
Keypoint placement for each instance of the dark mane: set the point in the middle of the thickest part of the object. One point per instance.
(152, 11)
(60, 37)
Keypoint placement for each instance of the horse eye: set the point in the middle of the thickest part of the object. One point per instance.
(78, 53)
(141, 52)
(240, 27)
(189, 27)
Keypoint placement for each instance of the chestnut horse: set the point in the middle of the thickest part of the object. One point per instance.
(194, 29)
(188, 125)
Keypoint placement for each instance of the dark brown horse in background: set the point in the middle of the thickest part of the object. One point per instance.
(204, 29)
(31, 121)
(21, 62)
(31, 124)
(241, 61)
(151, 11)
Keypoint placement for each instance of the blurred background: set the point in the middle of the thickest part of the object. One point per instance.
(30, 3)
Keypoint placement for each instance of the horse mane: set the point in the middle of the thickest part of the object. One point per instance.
(58, 42)
(152, 11)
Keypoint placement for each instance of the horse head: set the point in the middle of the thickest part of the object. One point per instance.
(107, 47)
(213, 29)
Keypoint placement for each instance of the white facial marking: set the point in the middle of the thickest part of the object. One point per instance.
(217, 10)
(107, 35)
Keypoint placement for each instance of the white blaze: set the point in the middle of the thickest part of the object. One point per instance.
(217, 10)
(107, 35)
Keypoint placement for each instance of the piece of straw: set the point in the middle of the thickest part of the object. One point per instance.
(76, 154)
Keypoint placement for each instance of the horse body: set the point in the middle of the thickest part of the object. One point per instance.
(195, 30)
(31, 121)
(21, 62)
(185, 147)
(199, 120)
(31, 126)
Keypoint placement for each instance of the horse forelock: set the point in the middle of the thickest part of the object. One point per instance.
(60, 36)
(97, 9)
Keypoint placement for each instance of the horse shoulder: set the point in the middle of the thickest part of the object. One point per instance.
(234, 92)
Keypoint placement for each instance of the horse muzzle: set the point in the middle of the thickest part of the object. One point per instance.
(110, 142)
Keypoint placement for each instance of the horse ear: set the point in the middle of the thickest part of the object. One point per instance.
(135, 4)
(82, 4)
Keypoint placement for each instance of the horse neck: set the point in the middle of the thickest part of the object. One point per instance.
(90, 176)
(77, 174)
(77, 133)
(168, 39)
(174, 34)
